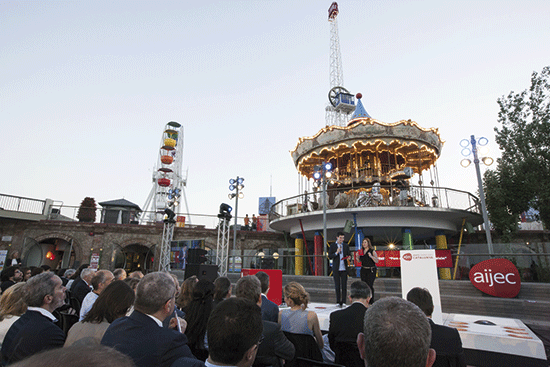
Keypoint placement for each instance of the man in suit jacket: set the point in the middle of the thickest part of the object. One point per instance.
(35, 330)
(141, 335)
(338, 253)
(81, 287)
(275, 346)
(346, 324)
(270, 310)
(445, 340)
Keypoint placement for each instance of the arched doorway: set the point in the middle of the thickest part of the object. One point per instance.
(134, 257)
(58, 253)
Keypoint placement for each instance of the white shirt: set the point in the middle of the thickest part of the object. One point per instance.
(159, 323)
(43, 311)
(342, 263)
(87, 304)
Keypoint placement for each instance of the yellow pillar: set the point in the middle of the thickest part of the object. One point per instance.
(299, 251)
(441, 244)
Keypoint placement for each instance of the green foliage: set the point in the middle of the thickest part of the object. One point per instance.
(522, 177)
(86, 212)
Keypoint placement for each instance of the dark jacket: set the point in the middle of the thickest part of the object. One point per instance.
(342, 334)
(275, 346)
(447, 345)
(270, 310)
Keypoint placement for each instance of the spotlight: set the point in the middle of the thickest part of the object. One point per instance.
(170, 215)
(465, 163)
(225, 211)
(487, 161)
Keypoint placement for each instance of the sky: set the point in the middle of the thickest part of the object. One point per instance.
(87, 87)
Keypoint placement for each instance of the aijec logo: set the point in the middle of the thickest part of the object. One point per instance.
(497, 277)
(407, 257)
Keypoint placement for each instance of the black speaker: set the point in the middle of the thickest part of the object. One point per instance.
(202, 271)
(196, 256)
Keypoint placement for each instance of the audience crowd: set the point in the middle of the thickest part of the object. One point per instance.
(90, 317)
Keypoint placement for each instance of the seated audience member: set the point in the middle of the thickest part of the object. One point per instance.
(82, 286)
(10, 276)
(177, 312)
(76, 275)
(78, 356)
(46, 267)
(120, 274)
(26, 273)
(275, 345)
(186, 292)
(12, 305)
(346, 324)
(270, 311)
(297, 319)
(234, 333)
(35, 330)
(136, 274)
(141, 335)
(222, 289)
(113, 302)
(445, 340)
(100, 281)
(196, 315)
(36, 270)
(132, 282)
(396, 333)
(68, 275)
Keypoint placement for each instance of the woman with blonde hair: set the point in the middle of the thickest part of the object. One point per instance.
(12, 305)
(297, 319)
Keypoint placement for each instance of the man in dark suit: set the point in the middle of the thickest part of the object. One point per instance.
(141, 335)
(270, 310)
(339, 253)
(35, 330)
(275, 346)
(445, 340)
(346, 324)
(82, 286)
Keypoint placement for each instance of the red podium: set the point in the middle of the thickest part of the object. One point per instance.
(275, 283)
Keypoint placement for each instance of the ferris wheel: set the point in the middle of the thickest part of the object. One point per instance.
(168, 181)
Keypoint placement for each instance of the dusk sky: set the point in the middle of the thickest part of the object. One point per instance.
(86, 87)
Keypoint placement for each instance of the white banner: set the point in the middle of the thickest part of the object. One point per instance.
(419, 269)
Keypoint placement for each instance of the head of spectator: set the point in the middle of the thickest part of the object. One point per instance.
(69, 273)
(392, 322)
(295, 294)
(87, 275)
(113, 302)
(264, 280)
(132, 282)
(186, 292)
(360, 292)
(101, 279)
(423, 299)
(156, 295)
(234, 332)
(12, 273)
(26, 273)
(12, 302)
(15, 255)
(120, 274)
(176, 283)
(46, 291)
(78, 355)
(136, 274)
(79, 270)
(249, 287)
(36, 270)
(222, 289)
(197, 314)
(46, 267)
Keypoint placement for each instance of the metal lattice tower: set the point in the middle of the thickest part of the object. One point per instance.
(222, 247)
(338, 111)
(167, 234)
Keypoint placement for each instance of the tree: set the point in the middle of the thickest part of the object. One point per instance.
(86, 212)
(522, 177)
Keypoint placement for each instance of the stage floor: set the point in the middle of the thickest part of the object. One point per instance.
(487, 341)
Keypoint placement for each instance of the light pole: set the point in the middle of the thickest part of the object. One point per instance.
(236, 185)
(487, 161)
(321, 175)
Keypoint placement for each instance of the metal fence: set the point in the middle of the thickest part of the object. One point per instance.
(21, 204)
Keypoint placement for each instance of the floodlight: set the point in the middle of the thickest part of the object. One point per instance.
(464, 143)
(482, 141)
(465, 163)
(232, 181)
(466, 152)
(328, 166)
(231, 187)
(241, 195)
(317, 175)
(240, 180)
(487, 161)
(170, 215)
(328, 174)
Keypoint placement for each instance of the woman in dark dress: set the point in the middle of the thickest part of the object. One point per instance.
(368, 258)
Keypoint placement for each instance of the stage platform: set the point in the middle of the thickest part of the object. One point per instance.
(487, 341)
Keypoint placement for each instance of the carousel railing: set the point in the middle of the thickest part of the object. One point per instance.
(376, 196)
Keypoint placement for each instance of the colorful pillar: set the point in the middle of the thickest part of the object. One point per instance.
(299, 251)
(407, 239)
(358, 243)
(441, 244)
(318, 251)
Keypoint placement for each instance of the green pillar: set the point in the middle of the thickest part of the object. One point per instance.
(407, 239)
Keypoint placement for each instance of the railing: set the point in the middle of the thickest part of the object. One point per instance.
(387, 195)
(21, 204)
